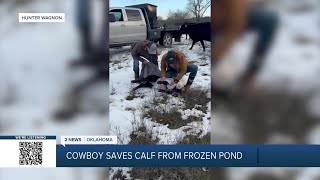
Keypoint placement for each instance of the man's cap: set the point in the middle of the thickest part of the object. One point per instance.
(171, 55)
(152, 48)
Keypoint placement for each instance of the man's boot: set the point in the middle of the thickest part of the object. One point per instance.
(136, 79)
(189, 83)
(187, 87)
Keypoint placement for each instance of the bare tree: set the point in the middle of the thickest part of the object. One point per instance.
(198, 8)
(160, 18)
(178, 15)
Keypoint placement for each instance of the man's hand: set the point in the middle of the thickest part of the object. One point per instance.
(145, 62)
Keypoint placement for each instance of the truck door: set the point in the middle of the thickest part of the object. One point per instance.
(117, 32)
(136, 25)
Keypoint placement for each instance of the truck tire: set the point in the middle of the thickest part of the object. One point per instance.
(166, 40)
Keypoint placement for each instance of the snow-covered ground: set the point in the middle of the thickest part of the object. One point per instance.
(126, 114)
(34, 78)
(121, 74)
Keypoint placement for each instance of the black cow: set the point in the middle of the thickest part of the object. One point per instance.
(197, 32)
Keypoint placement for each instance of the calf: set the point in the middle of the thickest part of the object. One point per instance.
(197, 32)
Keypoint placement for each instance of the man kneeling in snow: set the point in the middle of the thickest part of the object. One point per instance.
(174, 65)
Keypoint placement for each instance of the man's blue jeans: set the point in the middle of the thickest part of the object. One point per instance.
(136, 68)
(264, 23)
(191, 68)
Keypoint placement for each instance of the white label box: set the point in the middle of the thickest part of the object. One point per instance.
(41, 17)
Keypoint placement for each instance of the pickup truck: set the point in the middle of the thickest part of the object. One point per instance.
(139, 22)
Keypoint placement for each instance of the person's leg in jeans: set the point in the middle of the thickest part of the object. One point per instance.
(86, 43)
(154, 60)
(136, 68)
(192, 69)
(264, 23)
(83, 20)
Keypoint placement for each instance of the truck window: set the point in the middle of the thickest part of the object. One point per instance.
(117, 13)
(133, 15)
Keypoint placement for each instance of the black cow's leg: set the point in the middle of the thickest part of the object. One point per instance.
(193, 42)
(202, 43)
